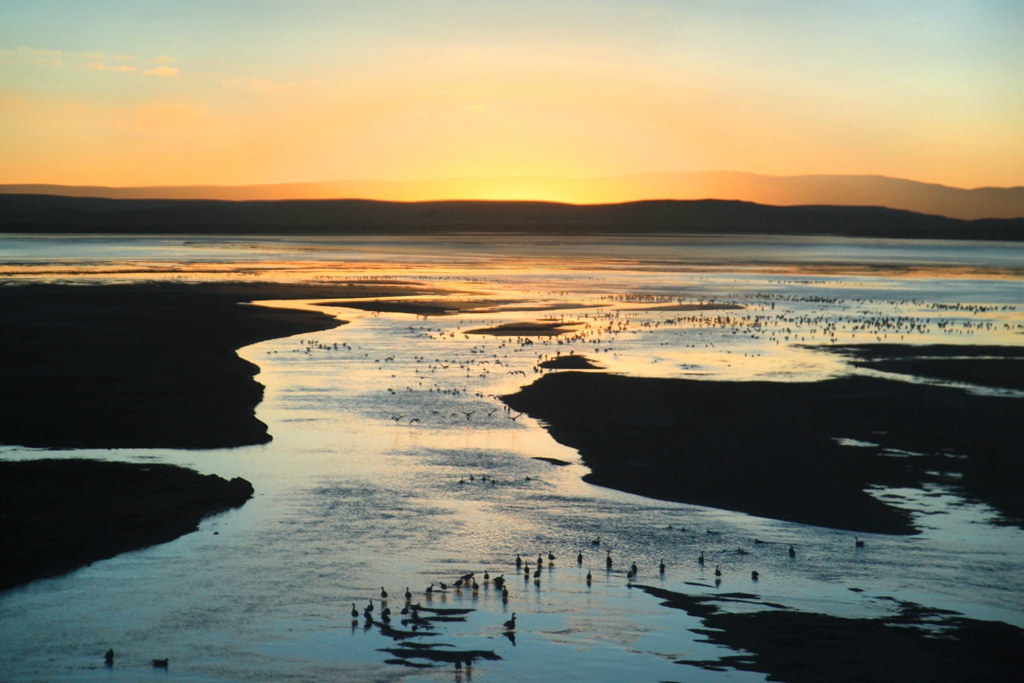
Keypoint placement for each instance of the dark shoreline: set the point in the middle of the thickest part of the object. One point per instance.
(915, 644)
(59, 515)
(149, 365)
(771, 450)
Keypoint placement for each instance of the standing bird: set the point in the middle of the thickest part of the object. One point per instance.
(579, 557)
(383, 593)
(369, 608)
(792, 551)
(510, 625)
(590, 578)
(701, 558)
(519, 561)
(551, 556)
(754, 575)
(108, 658)
(718, 570)
(355, 612)
(408, 594)
(661, 567)
(608, 561)
(857, 543)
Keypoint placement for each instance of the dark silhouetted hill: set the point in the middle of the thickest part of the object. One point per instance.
(58, 214)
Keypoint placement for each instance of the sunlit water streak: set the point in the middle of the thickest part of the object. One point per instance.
(350, 499)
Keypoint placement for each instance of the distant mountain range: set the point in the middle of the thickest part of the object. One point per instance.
(836, 190)
(56, 214)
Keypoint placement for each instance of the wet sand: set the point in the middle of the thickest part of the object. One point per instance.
(144, 365)
(770, 449)
(59, 515)
(426, 308)
(914, 644)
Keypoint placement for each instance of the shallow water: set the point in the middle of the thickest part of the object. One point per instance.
(352, 495)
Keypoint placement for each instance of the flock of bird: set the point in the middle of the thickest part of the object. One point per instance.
(411, 611)
(801, 319)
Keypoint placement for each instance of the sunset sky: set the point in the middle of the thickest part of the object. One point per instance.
(175, 93)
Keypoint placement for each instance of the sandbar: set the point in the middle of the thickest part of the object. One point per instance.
(59, 515)
(774, 449)
(143, 365)
(525, 329)
(569, 362)
(988, 366)
(913, 644)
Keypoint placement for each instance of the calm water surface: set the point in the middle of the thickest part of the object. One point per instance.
(352, 495)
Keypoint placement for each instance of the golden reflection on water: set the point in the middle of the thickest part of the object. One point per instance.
(355, 493)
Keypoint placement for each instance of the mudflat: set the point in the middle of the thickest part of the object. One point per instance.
(913, 643)
(800, 452)
(58, 515)
(990, 366)
(144, 365)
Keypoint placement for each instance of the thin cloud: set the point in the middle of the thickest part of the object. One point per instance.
(162, 71)
(29, 55)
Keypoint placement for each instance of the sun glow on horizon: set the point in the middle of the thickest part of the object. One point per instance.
(188, 94)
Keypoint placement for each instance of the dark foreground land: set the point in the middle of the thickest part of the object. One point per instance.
(771, 450)
(58, 515)
(913, 645)
(990, 366)
(143, 365)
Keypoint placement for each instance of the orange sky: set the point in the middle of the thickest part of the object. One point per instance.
(155, 93)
